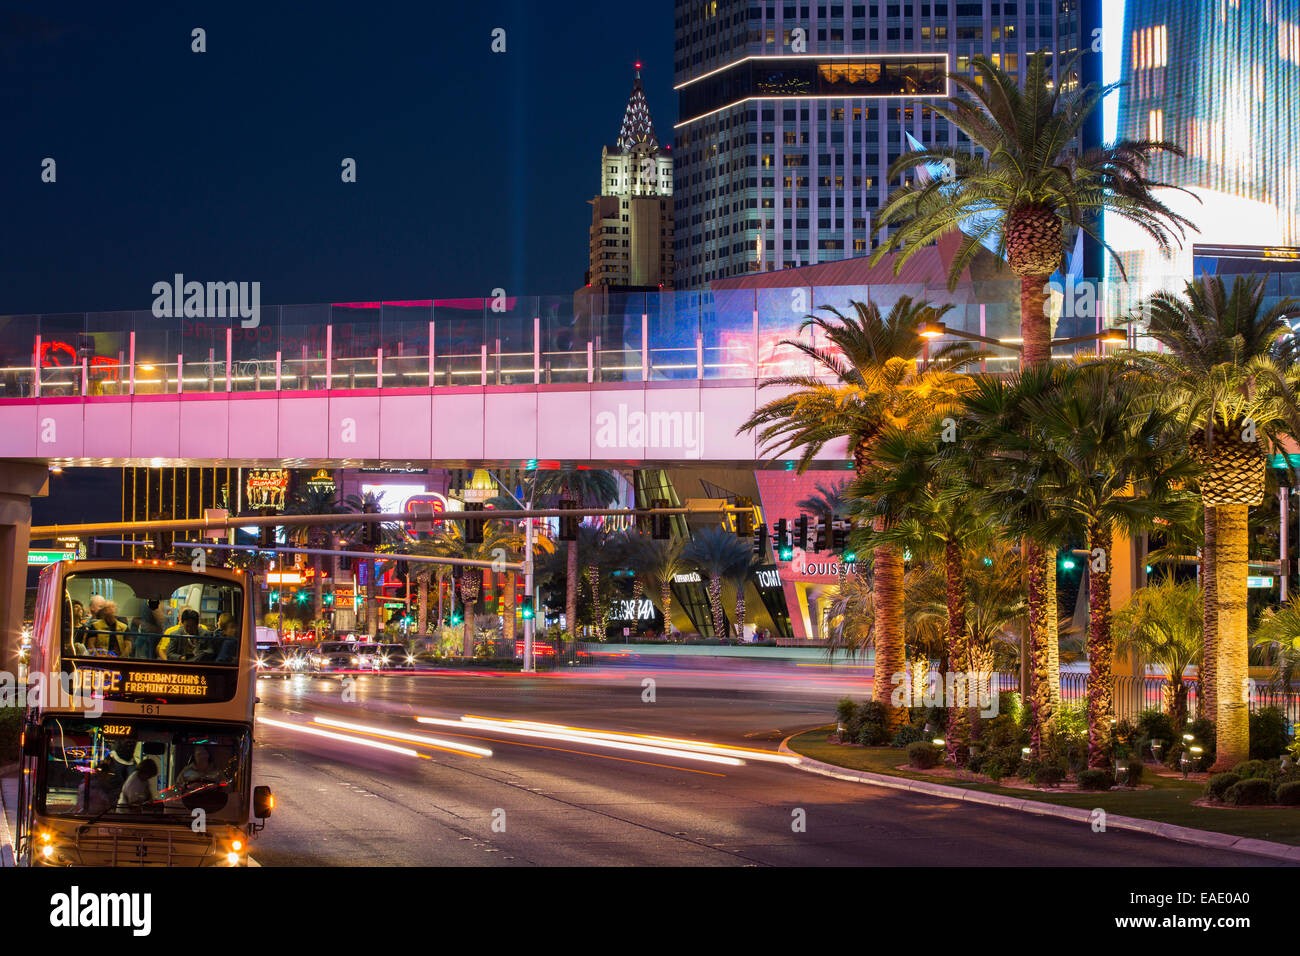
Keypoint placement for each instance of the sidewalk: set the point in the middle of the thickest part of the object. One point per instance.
(8, 818)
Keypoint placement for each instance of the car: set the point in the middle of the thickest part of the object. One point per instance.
(278, 659)
(368, 653)
(393, 657)
(334, 656)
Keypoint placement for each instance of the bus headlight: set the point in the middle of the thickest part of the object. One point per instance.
(232, 858)
(356, 660)
(47, 851)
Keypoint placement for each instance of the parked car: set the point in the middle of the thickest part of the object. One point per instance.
(334, 656)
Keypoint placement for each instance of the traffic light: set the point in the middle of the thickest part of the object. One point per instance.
(266, 533)
(783, 545)
(161, 543)
(760, 541)
(819, 534)
(474, 526)
(568, 523)
(661, 525)
(526, 609)
(456, 618)
(839, 536)
(744, 517)
(801, 532)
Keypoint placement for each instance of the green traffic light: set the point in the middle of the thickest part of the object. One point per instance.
(1068, 564)
(786, 554)
(850, 556)
(526, 609)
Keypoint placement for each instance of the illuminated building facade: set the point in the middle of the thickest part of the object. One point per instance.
(790, 114)
(1222, 80)
(632, 218)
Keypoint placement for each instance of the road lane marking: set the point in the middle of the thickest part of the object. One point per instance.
(588, 753)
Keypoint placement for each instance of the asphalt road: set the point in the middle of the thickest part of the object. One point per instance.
(541, 801)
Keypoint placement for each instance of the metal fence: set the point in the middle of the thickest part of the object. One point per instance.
(1131, 694)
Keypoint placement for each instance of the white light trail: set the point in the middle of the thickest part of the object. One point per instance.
(414, 738)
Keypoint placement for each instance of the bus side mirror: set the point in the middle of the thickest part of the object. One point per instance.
(263, 802)
(33, 745)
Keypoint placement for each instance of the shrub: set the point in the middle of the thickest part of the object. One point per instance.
(1004, 731)
(1066, 747)
(1156, 725)
(999, 762)
(1252, 792)
(1219, 784)
(873, 729)
(846, 710)
(1096, 780)
(1252, 769)
(1044, 773)
(923, 755)
(1268, 736)
(909, 735)
(1288, 794)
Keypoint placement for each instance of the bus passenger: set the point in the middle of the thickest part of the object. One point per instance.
(178, 642)
(103, 628)
(148, 633)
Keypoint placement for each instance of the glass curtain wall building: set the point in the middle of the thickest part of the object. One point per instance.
(790, 114)
(1222, 80)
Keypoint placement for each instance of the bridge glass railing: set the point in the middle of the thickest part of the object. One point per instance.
(594, 336)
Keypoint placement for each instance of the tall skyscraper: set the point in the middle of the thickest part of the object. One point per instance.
(790, 114)
(1222, 80)
(632, 218)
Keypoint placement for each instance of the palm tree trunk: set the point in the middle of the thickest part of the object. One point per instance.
(715, 606)
(422, 613)
(740, 612)
(508, 618)
(439, 581)
(468, 596)
(1035, 326)
(1208, 701)
(1053, 630)
(1038, 697)
(957, 736)
(1176, 699)
(1232, 666)
(597, 610)
(1100, 651)
(890, 654)
(666, 600)
(571, 591)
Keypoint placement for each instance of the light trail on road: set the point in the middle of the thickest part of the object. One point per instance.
(450, 745)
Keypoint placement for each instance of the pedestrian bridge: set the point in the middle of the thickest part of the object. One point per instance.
(628, 379)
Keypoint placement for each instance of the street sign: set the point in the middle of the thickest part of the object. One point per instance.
(1259, 581)
(38, 558)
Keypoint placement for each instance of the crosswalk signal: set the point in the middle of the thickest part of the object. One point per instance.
(661, 525)
(526, 609)
(474, 526)
(568, 523)
(744, 517)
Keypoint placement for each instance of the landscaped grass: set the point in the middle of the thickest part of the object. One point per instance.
(1168, 801)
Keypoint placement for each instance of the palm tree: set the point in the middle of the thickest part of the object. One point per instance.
(655, 562)
(498, 537)
(828, 501)
(716, 552)
(1161, 624)
(1025, 184)
(424, 574)
(589, 488)
(315, 501)
(1087, 456)
(1231, 374)
(738, 577)
(918, 502)
(869, 377)
(390, 534)
(1279, 631)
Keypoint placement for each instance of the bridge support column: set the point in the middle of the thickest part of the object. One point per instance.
(19, 482)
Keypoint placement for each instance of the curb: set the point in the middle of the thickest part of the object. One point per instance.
(1206, 838)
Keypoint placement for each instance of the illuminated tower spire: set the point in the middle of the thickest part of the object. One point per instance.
(637, 125)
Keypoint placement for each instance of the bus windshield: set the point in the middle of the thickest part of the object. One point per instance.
(153, 614)
(114, 769)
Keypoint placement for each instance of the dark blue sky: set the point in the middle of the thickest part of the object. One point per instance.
(473, 168)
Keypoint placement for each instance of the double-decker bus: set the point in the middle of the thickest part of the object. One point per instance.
(138, 730)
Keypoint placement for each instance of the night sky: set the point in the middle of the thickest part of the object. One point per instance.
(473, 168)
